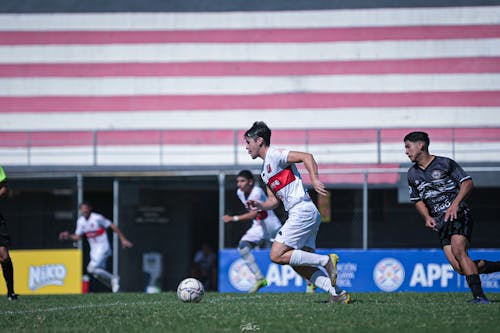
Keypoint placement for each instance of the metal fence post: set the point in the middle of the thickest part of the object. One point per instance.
(222, 203)
(365, 210)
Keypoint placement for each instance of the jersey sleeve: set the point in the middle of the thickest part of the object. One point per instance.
(457, 173)
(412, 189)
(104, 222)
(78, 230)
(3, 176)
(284, 156)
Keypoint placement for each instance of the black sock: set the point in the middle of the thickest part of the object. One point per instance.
(474, 283)
(488, 266)
(8, 274)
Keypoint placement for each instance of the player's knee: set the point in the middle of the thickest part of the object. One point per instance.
(244, 247)
(4, 259)
(91, 268)
(277, 258)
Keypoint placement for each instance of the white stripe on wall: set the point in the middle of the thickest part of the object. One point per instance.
(242, 119)
(186, 52)
(247, 85)
(251, 20)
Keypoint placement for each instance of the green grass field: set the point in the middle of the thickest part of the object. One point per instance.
(264, 312)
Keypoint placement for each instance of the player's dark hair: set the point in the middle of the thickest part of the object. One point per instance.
(86, 203)
(418, 136)
(247, 174)
(259, 129)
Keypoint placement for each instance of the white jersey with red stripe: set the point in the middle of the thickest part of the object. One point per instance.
(283, 178)
(266, 219)
(94, 228)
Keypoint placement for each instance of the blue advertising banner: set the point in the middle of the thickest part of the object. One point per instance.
(394, 270)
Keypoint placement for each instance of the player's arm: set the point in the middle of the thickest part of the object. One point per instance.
(65, 235)
(271, 203)
(465, 189)
(3, 189)
(424, 212)
(250, 215)
(311, 167)
(125, 242)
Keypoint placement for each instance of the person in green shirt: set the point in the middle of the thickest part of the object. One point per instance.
(5, 261)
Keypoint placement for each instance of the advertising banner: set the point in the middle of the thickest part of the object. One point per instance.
(46, 272)
(394, 270)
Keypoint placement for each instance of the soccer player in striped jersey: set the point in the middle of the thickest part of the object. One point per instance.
(438, 187)
(93, 226)
(264, 227)
(295, 243)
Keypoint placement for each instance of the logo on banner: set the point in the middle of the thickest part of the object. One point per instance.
(46, 275)
(388, 274)
(240, 276)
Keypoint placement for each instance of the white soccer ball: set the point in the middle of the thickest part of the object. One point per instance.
(190, 290)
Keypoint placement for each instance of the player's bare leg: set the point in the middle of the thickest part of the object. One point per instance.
(459, 249)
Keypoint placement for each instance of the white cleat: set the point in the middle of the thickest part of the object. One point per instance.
(343, 298)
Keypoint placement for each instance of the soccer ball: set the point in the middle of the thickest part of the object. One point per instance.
(190, 290)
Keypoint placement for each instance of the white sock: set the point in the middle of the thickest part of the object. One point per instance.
(304, 258)
(249, 259)
(320, 280)
(103, 275)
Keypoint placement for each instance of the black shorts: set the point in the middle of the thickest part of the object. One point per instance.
(4, 233)
(462, 225)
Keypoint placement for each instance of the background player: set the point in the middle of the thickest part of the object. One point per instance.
(438, 187)
(5, 260)
(264, 227)
(295, 243)
(93, 226)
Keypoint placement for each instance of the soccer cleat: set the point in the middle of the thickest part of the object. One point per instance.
(258, 284)
(12, 297)
(310, 288)
(343, 298)
(331, 267)
(479, 300)
(115, 284)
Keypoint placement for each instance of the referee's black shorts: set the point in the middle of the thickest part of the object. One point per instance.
(4, 234)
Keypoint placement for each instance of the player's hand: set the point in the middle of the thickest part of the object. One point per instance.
(431, 223)
(126, 244)
(451, 213)
(227, 218)
(320, 187)
(254, 205)
(64, 235)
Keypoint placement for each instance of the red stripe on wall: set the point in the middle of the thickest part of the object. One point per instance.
(230, 137)
(235, 102)
(409, 66)
(300, 35)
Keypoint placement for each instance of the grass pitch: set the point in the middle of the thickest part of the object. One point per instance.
(263, 312)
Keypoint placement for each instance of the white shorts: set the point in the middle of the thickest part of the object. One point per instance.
(301, 228)
(98, 258)
(261, 234)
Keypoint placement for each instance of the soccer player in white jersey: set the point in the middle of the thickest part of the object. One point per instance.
(93, 226)
(295, 243)
(263, 230)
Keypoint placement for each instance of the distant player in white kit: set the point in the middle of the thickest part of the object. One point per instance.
(295, 243)
(264, 227)
(93, 226)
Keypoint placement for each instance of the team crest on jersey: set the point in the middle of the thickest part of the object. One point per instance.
(268, 168)
(274, 184)
(436, 174)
